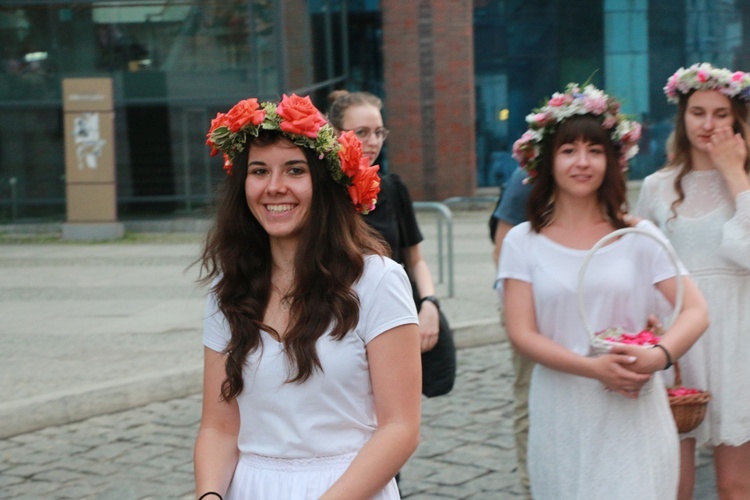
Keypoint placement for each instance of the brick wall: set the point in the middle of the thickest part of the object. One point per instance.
(298, 50)
(428, 54)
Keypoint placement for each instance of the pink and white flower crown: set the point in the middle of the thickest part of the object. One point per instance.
(588, 100)
(703, 76)
(299, 121)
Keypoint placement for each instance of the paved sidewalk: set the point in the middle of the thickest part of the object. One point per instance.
(102, 366)
(97, 328)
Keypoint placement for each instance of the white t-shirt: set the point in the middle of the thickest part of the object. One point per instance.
(333, 411)
(618, 285)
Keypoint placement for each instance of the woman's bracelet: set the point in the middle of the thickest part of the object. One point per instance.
(669, 356)
(210, 493)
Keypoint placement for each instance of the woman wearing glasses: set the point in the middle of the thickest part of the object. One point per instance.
(394, 215)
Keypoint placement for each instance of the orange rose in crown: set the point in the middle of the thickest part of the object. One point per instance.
(365, 187)
(244, 113)
(350, 153)
(300, 122)
(300, 116)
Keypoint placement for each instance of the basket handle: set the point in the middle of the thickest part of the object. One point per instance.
(604, 241)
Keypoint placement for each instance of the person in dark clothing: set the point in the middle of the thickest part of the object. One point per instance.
(394, 216)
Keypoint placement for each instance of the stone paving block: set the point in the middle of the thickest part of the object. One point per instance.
(5, 445)
(503, 440)
(148, 432)
(430, 447)
(455, 474)
(25, 470)
(491, 495)
(31, 457)
(432, 493)
(498, 481)
(142, 472)
(457, 419)
(29, 489)
(66, 448)
(417, 468)
(110, 451)
(76, 491)
(9, 480)
(93, 468)
(60, 476)
(143, 453)
(411, 490)
(428, 495)
(177, 484)
(473, 455)
(126, 488)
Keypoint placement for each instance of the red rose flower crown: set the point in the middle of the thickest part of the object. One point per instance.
(299, 121)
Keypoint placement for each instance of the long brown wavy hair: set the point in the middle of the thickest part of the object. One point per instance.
(612, 194)
(329, 260)
(682, 157)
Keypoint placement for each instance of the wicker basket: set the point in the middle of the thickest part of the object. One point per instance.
(689, 410)
(598, 343)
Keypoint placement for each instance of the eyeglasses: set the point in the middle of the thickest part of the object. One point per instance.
(364, 133)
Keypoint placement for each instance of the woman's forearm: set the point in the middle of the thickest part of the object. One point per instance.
(215, 458)
(377, 462)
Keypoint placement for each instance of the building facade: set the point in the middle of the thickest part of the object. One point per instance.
(526, 50)
(457, 78)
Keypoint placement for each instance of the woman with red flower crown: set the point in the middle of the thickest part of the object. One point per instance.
(701, 200)
(600, 425)
(312, 374)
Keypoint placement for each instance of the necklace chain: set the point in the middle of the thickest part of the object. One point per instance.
(285, 301)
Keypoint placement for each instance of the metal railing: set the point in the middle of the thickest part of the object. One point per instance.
(444, 216)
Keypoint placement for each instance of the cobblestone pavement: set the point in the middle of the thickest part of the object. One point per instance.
(96, 329)
(466, 451)
(144, 453)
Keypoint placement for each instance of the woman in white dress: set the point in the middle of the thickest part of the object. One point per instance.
(312, 372)
(600, 426)
(701, 200)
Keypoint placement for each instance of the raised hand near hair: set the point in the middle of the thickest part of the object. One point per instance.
(728, 151)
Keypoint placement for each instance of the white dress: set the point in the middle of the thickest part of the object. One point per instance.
(711, 234)
(295, 439)
(586, 442)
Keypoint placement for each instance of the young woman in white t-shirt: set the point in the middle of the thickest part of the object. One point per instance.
(600, 426)
(312, 373)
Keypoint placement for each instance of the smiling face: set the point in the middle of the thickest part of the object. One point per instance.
(579, 168)
(366, 121)
(706, 111)
(278, 188)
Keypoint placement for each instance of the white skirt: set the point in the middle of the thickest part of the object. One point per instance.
(718, 361)
(259, 478)
(588, 443)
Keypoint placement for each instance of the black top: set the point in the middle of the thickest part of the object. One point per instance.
(394, 216)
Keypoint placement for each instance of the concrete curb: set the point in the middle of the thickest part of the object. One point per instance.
(19, 417)
(31, 414)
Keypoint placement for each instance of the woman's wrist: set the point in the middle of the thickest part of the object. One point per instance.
(667, 355)
(210, 495)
